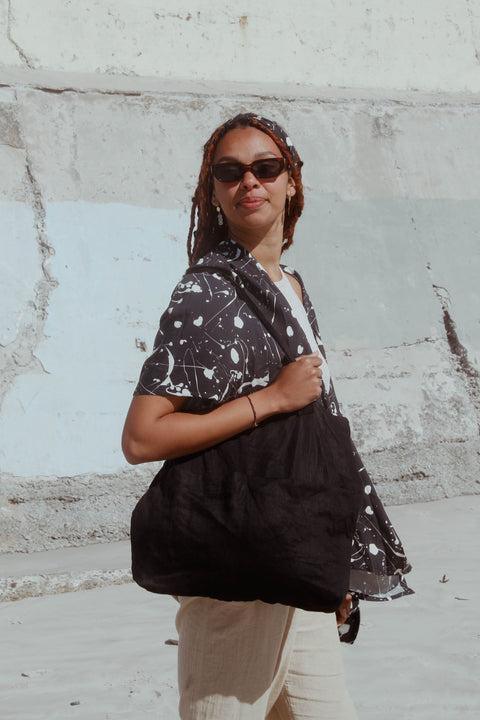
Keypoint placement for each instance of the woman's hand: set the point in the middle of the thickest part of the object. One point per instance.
(156, 430)
(343, 611)
(299, 383)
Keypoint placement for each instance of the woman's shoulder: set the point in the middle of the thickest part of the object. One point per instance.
(221, 258)
(294, 273)
(214, 272)
(206, 289)
(202, 283)
(211, 269)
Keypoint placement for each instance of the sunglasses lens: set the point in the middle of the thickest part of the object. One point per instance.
(269, 168)
(227, 172)
(262, 169)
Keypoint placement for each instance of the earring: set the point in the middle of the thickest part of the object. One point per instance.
(219, 216)
(288, 205)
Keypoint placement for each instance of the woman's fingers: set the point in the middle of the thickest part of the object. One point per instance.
(343, 611)
(311, 356)
(299, 383)
(313, 365)
(314, 359)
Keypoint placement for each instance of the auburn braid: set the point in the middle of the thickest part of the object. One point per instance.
(205, 233)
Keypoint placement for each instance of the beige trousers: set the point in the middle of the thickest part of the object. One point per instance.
(254, 661)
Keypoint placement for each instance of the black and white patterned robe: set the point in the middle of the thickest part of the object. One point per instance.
(211, 348)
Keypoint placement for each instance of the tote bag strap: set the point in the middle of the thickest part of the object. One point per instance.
(252, 301)
(261, 313)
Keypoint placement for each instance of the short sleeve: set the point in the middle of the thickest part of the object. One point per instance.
(198, 351)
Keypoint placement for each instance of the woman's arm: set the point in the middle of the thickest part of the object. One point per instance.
(156, 430)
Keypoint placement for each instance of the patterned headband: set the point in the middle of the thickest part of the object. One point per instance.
(278, 131)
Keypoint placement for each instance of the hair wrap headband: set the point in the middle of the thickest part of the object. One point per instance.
(271, 125)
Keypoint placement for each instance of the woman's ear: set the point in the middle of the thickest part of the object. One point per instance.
(214, 200)
(291, 189)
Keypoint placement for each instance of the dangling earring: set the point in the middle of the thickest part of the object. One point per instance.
(288, 205)
(219, 216)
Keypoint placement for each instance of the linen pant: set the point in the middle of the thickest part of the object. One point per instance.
(255, 661)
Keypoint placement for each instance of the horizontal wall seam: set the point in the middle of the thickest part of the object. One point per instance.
(303, 94)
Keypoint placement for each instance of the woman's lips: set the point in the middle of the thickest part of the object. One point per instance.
(251, 203)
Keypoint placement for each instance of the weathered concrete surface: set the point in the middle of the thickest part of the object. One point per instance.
(64, 570)
(94, 226)
(38, 585)
(104, 108)
(110, 649)
(52, 512)
(432, 45)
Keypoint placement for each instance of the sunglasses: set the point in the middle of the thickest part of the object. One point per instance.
(265, 169)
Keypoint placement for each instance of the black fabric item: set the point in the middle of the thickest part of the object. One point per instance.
(266, 515)
(211, 348)
(348, 631)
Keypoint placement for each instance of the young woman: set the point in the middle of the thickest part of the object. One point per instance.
(215, 371)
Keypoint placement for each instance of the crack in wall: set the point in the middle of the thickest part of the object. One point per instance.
(458, 350)
(456, 347)
(472, 20)
(420, 341)
(86, 91)
(463, 364)
(23, 56)
(18, 357)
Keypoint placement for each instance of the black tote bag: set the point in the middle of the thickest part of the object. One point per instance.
(268, 514)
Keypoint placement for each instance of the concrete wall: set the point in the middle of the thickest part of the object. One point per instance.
(103, 112)
(427, 45)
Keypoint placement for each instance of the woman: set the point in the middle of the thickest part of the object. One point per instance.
(216, 372)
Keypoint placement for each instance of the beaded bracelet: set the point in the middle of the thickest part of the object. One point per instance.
(255, 423)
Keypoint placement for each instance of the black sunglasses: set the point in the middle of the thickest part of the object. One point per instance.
(265, 169)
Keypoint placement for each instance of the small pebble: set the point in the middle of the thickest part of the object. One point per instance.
(75, 702)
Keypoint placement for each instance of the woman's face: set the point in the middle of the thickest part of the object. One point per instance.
(251, 206)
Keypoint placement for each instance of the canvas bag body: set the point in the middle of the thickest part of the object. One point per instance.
(378, 560)
(267, 515)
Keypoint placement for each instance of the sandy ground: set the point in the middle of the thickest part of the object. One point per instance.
(102, 655)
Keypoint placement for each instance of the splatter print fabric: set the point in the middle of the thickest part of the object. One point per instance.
(211, 348)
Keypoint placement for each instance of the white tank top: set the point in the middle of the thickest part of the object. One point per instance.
(299, 313)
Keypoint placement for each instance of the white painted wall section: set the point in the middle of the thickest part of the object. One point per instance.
(428, 45)
(104, 108)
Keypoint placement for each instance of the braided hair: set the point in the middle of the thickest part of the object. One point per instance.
(205, 233)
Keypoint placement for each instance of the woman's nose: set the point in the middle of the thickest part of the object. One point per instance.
(249, 179)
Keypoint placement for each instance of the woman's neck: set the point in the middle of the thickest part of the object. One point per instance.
(266, 251)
